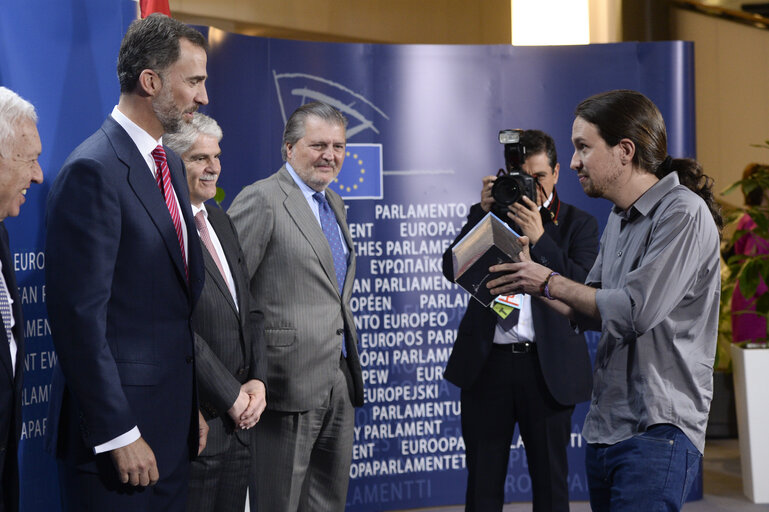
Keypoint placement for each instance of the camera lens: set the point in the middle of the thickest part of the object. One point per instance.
(506, 190)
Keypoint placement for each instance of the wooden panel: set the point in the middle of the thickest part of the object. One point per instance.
(731, 63)
(391, 21)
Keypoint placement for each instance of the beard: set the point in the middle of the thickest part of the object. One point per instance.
(589, 189)
(169, 115)
(602, 182)
(314, 179)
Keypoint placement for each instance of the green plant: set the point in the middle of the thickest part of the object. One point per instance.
(747, 270)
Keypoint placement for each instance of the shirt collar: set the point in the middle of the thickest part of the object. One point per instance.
(143, 140)
(546, 204)
(306, 190)
(644, 204)
(201, 208)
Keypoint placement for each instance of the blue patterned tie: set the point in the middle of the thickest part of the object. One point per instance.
(330, 229)
(5, 308)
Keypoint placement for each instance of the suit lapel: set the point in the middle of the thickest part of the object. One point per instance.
(195, 262)
(5, 348)
(298, 209)
(228, 237)
(145, 187)
(5, 353)
(212, 271)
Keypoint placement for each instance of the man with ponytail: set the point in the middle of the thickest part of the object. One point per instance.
(653, 292)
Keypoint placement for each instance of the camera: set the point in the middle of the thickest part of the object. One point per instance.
(512, 183)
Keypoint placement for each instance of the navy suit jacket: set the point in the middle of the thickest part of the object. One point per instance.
(10, 387)
(570, 248)
(120, 305)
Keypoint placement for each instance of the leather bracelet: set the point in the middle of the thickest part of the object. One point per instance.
(545, 288)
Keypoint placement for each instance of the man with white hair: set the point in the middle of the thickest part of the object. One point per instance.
(228, 333)
(19, 150)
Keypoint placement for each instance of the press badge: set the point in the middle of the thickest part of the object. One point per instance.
(505, 304)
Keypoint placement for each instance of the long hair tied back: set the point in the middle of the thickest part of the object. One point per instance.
(629, 114)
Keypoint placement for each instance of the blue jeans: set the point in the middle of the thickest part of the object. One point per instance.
(649, 472)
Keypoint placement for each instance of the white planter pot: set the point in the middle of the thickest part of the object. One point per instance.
(751, 384)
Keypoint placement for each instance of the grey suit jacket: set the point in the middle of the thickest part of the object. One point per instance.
(294, 284)
(228, 339)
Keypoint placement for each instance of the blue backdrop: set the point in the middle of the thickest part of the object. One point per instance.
(423, 131)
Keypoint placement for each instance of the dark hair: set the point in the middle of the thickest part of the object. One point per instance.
(756, 196)
(295, 125)
(152, 43)
(537, 141)
(625, 114)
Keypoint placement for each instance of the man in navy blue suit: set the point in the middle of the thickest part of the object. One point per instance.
(19, 149)
(123, 276)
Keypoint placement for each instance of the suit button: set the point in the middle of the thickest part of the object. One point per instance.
(340, 331)
(242, 371)
(188, 359)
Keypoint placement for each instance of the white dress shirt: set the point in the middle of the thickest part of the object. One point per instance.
(524, 329)
(219, 251)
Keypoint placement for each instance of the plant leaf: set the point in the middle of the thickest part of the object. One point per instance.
(749, 278)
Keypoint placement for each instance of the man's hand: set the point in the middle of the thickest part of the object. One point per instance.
(524, 276)
(486, 198)
(258, 401)
(239, 407)
(135, 464)
(202, 433)
(528, 218)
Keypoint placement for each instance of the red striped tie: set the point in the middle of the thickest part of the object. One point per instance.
(164, 184)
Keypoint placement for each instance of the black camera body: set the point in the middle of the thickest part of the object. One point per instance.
(512, 184)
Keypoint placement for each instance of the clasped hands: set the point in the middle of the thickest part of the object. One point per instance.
(249, 405)
(136, 464)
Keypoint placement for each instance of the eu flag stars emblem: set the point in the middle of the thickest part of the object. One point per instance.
(361, 174)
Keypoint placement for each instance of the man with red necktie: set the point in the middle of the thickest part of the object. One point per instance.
(123, 279)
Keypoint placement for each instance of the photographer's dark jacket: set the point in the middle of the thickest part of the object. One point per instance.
(568, 246)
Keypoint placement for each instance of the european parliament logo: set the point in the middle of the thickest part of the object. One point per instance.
(361, 174)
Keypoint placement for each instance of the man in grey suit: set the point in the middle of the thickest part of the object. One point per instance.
(302, 264)
(228, 333)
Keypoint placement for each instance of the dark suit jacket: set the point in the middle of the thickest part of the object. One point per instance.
(570, 248)
(120, 305)
(228, 340)
(294, 284)
(10, 387)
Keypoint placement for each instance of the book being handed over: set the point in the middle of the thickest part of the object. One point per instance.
(489, 243)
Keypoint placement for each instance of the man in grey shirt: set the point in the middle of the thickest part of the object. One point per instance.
(654, 294)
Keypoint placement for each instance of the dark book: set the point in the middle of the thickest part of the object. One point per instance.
(489, 243)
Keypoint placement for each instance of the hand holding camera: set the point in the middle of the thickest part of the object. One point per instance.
(487, 200)
(511, 195)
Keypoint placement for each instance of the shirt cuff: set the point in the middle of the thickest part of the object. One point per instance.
(119, 442)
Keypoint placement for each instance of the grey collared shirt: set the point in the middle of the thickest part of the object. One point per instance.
(659, 280)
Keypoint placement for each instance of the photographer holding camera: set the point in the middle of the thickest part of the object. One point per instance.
(530, 367)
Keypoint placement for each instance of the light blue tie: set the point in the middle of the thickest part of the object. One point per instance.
(330, 229)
